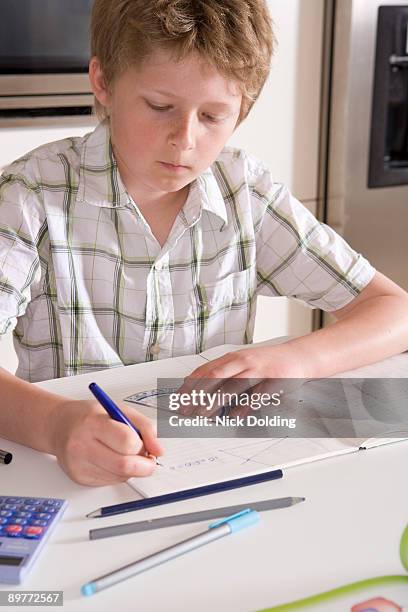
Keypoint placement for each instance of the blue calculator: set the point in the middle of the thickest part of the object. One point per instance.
(25, 525)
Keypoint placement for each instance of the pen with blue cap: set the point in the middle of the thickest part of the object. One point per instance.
(114, 411)
(216, 530)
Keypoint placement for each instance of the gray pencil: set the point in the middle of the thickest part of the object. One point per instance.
(191, 517)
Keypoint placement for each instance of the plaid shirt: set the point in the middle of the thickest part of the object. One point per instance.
(86, 286)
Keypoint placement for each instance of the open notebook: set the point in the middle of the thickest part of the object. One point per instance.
(195, 462)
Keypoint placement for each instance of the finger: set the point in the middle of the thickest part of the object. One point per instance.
(236, 388)
(98, 466)
(119, 437)
(216, 368)
(209, 377)
(120, 465)
(229, 393)
(197, 392)
(148, 430)
(253, 394)
(234, 396)
(125, 440)
(210, 387)
(206, 400)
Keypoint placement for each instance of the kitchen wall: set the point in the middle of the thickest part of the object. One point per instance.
(282, 130)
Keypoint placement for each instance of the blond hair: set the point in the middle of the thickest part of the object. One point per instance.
(234, 36)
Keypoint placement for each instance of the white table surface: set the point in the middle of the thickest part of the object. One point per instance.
(348, 528)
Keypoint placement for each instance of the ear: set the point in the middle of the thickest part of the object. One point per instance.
(99, 87)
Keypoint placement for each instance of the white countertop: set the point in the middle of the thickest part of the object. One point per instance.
(348, 528)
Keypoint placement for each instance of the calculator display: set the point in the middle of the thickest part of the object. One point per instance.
(10, 560)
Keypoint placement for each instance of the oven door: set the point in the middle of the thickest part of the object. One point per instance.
(44, 47)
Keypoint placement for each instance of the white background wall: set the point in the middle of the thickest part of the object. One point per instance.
(282, 129)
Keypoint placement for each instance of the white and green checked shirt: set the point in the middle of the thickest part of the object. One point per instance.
(86, 286)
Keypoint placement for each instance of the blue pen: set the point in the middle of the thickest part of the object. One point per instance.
(114, 411)
(216, 530)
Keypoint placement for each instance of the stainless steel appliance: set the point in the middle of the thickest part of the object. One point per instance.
(44, 55)
(363, 181)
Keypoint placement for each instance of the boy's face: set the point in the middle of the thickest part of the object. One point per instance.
(169, 121)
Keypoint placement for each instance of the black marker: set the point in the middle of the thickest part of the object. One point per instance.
(5, 457)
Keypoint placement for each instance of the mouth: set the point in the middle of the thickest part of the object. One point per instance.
(170, 166)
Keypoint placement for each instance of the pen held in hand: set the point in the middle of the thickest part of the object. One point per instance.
(115, 412)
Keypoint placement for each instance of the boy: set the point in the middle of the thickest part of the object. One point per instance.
(147, 238)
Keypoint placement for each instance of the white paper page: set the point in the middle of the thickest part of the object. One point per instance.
(373, 442)
(194, 462)
(378, 408)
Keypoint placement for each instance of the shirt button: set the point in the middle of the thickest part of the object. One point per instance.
(155, 349)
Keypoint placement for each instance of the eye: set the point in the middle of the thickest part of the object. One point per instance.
(158, 108)
(211, 118)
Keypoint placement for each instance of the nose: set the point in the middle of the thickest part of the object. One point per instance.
(183, 133)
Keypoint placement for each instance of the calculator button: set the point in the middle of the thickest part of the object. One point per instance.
(19, 521)
(3, 521)
(47, 509)
(5, 513)
(38, 522)
(13, 527)
(13, 530)
(42, 515)
(33, 501)
(33, 532)
(12, 500)
(29, 507)
(23, 514)
(10, 507)
(34, 529)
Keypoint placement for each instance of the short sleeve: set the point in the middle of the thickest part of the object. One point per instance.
(299, 257)
(22, 228)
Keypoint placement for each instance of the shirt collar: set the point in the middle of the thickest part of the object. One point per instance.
(204, 194)
(99, 179)
(100, 183)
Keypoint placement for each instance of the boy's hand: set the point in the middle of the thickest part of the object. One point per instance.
(94, 449)
(279, 361)
(259, 370)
